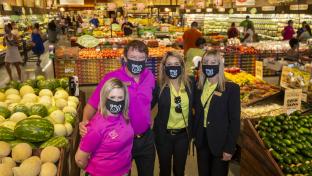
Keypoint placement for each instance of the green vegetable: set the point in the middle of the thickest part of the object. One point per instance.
(6, 134)
(21, 108)
(58, 141)
(5, 112)
(39, 109)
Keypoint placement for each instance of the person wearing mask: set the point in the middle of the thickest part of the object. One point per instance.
(217, 117)
(301, 30)
(232, 32)
(12, 55)
(140, 82)
(106, 148)
(293, 53)
(37, 42)
(52, 32)
(249, 34)
(172, 125)
(306, 34)
(190, 37)
(193, 52)
(245, 23)
(127, 27)
(95, 21)
(288, 31)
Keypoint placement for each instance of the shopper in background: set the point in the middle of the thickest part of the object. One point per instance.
(79, 19)
(12, 54)
(37, 42)
(217, 117)
(249, 34)
(52, 32)
(190, 37)
(193, 52)
(246, 22)
(127, 27)
(293, 53)
(95, 21)
(140, 82)
(63, 25)
(232, 32)
(106, 148)
(114, 20)
(68, 21)
(288, 31)
(14, 29)
(301, 30)
(172, 125)
(306, 34)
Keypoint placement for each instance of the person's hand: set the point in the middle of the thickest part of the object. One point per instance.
(82, 128)
(226, 156)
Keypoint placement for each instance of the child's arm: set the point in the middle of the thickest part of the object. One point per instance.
(82, 158)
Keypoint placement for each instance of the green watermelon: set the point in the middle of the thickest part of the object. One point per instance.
(46, 84)
(5, 112)
(36, 91)
(70, 118)
(40, 77)
(21, 108)
(31, 82)
(64, 82)
(34, 130)
(6, 134)
(15, 142)
(13, 84)
(38, 109)
(57, 141)
(56, 83)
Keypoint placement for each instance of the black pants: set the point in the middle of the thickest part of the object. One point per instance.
(143, 153)
(208, 164)
(175, 147)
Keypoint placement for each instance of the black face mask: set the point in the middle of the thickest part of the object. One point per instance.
(135, 67)
(173, 72)
(210, 70)
(115, 107)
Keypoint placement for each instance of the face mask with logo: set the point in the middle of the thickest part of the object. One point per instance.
(135, 67)
(173, 72)
(115, 107)
(210, 70)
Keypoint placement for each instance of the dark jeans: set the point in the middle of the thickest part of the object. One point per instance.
(175, 147)
(208, 164)
(143, 153)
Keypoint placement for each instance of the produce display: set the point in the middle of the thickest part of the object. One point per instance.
(275, 46)
(289, 140)
(295, 78)
(89, 53)
(262, 111)
(88, 41)
(251, 88)
(21, 160)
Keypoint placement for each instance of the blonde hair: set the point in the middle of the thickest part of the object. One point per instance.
(106, 90)
(163, 79)
(221, 77)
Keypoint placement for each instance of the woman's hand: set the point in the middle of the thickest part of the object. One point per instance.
(226, 156)
(82, 128)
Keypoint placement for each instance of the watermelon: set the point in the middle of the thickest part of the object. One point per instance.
(13, 84)
(5, 112)
(32, 83)
(36, 91)
(45, 84)
(38, 109)
(34, 129)
(6, 134)
(15, 142)
(21, 108)
(64, 82)
(40, 77)
(58, 141)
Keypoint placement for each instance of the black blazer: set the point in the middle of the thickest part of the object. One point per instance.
(164, 103)
(223, 122)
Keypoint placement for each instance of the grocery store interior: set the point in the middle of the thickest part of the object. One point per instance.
(266, 48)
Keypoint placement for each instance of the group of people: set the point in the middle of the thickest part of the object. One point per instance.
(303, 33)
(12, 41)
(117, 124)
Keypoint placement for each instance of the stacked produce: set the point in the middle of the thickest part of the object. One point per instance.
(289, 140)
(251, 88)
(275, 46)
(262, 111)
(88, 41)
(91, 53)
(21, 160)
(241, 49)
(35, 116)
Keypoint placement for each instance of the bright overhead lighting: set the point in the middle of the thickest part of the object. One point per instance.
(167, 9)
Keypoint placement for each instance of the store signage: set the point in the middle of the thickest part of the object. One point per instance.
(304, 97)
(241, 9)
(198, 10)
(284, 77)
(209, 10)
(292, 100)
(299, 7)
(290, 78)
(7, 7)
(268, 8)
(187, 10)
(245, 2)
(259, 70)
(71, 2)
(221, 9)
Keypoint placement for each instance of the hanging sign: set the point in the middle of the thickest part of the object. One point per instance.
(221, 9)
(187, 10)
(209, 10)
(292, 100)
(198, 10)
(71, 2)
(259, 70)
(299, 7)
(245, 2)
(241, 9)
(268, 8)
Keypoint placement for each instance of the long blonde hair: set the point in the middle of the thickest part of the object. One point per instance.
(221, 77)
(163, 79)
(105, 91)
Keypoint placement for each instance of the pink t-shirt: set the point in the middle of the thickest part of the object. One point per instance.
(140, 97)
(109, 142)
(288, 33)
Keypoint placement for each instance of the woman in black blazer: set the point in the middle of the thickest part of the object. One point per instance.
(217, 117)
(172, 125)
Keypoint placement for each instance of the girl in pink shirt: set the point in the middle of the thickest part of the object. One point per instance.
(106, 148)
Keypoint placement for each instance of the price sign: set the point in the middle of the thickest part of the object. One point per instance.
(292, 99)
(284, 77)
(304, 97)
(259, 70)
(69, 70)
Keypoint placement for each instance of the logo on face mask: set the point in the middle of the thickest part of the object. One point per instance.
(209, 72)
(136, 68)
(115, 108)
(173, 73)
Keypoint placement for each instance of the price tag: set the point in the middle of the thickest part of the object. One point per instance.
(69, 70)
(292, 99)
(304, 97)
(259, 70)
(284, 76)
